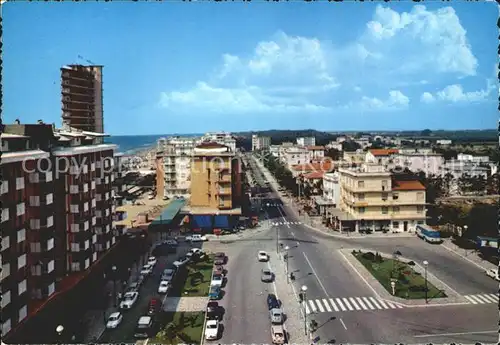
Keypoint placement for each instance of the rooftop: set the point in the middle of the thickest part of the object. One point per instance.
(314, 175)
(323, 166)
(383, 152)
(407, 185)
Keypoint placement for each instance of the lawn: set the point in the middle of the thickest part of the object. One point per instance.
(194, 280)
(180, 328)
(409, 284)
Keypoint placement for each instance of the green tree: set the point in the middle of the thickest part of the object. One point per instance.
(333, 154)
(492, 184)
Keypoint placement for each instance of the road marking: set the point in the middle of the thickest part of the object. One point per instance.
(292, 234)
(374, 302)
(313, 306)
(320, 306)
(298, 243)
(340, 304)
(307, 308)
(359, 274)
(346, 302)
(382, 304)
(471, 299)
(333, 305)
(361, 303)
(327, 306)
(450, 334)
(354, 303)
(343, 324)
(316, 275)
(482, 298)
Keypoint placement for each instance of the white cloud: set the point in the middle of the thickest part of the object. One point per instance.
(455, 94)
(295, 73)
(395, 101)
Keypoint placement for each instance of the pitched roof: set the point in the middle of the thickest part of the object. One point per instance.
(315, 147)
(383, 152)
(326, 165)
(314, 175)
(407, 185)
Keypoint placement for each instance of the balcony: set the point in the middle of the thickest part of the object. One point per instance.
(225, 178)
(224, 191)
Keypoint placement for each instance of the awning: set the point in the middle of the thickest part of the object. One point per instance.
(319, 200)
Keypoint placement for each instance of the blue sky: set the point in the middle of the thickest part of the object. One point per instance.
(195, 67)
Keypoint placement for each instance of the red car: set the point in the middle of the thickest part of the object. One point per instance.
(154, 306)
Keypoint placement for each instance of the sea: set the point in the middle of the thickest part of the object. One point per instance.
(129, 144)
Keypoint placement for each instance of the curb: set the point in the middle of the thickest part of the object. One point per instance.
(465, 258)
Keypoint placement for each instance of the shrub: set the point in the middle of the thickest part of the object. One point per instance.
(369, 256)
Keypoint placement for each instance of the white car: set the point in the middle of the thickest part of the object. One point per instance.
(181, 262)
(263, 256)
(129, 300)
(167, 275)
(194, 250)
(493, 273)
(196, 238)
(114, 320)
(217, 280)
(152, 261)
(164, 286)
(147, 269)
(212, 330)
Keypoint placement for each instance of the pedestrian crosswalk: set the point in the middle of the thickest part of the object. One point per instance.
(348, 304)
(286, 223)
(483, 298)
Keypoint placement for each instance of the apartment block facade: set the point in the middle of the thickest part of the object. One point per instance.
(306, 141)
(53, 193)
(221, 138)
(373, 199)
(82, 97)
(260, 143)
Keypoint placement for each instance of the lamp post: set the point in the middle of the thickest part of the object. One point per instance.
(113, 269)
(286, 259)
(425, 270)
(304, 301)
(59, 331)
(393, 286)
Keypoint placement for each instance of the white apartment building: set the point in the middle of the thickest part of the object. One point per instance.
(221, 138)
(275, 150)
(415, 150)
(306, 141)
(355, 157)
(444, 142)
(260, 143)
(459, 168)
(372, 199)
(429, 163)
(177, 156)
(462, 157)
(291, 156)
(380, 156)
(334, 145)
(364, 142)
(331, 188)
(316, 152)
(341, 139)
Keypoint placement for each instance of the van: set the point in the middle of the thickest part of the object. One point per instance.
(144, 327)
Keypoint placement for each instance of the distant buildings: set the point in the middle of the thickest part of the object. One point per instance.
(260, 143)
(380, 156)
(57, 212)
(222, 138)
(82, 100)
(334, 145)
(306, 141)
(444, 142)
(316, 152)
(295, 155)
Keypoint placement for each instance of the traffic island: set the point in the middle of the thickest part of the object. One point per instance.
(194, 279)
(180, 328)
(400, 280)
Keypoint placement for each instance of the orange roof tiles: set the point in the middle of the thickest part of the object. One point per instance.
(383, 152)
(326, 165)
(314, 175)
(407, 185)
(315, 147)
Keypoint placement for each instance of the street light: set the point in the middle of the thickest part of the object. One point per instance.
(304, 301)
(425, 267)
(113, 269)
(59, 330)
(286, 259)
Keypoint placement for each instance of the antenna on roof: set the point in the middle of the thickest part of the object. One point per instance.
(84, 59)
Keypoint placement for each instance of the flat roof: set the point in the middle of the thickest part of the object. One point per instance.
(169, 212)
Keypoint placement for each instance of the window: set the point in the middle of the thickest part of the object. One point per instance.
(5, 270)
(385, 210)
(50, 244)
(35, 247)
(361, 184)
(20, 209)
(5, 299)
(19, 183)
(395, 209)
(5, 242)
(86, 206)
(87, 263)
(49, 198)
(395, 196)
(50, 221)
(48, 176)
(21, 287)
(6, 327)
(361, 196)
(86, 187)
(34, 200)
(34, 178)
(21, 261)
(5, 187)
(5, 214)
(35, 224)
(361, 210)
(420, 222)
(73, 208)
(51, 289)
(73, 189)
(98, 213)
(98, 197)
(36, 270)
(50, 266)
(420, 196)
(384, 196)
(420, 209)
(75, 247)
(75, 266)
(21, 235)
(23, 312)
(94, 256)
(395, 225)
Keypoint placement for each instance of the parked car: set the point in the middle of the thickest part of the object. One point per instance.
(147, 269)
(217, 279)
(154, 306)
(152, 261)
(163, 287)
(195, 250)
(266, 275)
(168, 274)
(212, 330)
(114, 320)
(196, 238)
(493, 273)
(221, 256)
(220, 270)
(272, 302)
(171, 243)
(276, 315)
(144, 328)
(129, 300)
(181, 261)
(278, 334)
(214, 293)
(263, 256)
(219, 262)
(213, 310)
(133, 287)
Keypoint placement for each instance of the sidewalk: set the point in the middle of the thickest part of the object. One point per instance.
(96, 318)
(468, 255)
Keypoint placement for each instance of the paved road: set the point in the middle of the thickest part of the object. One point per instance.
(245, 317)
(125, 332)
(320, 267)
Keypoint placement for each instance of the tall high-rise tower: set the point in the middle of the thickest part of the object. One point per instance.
(81, 88)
